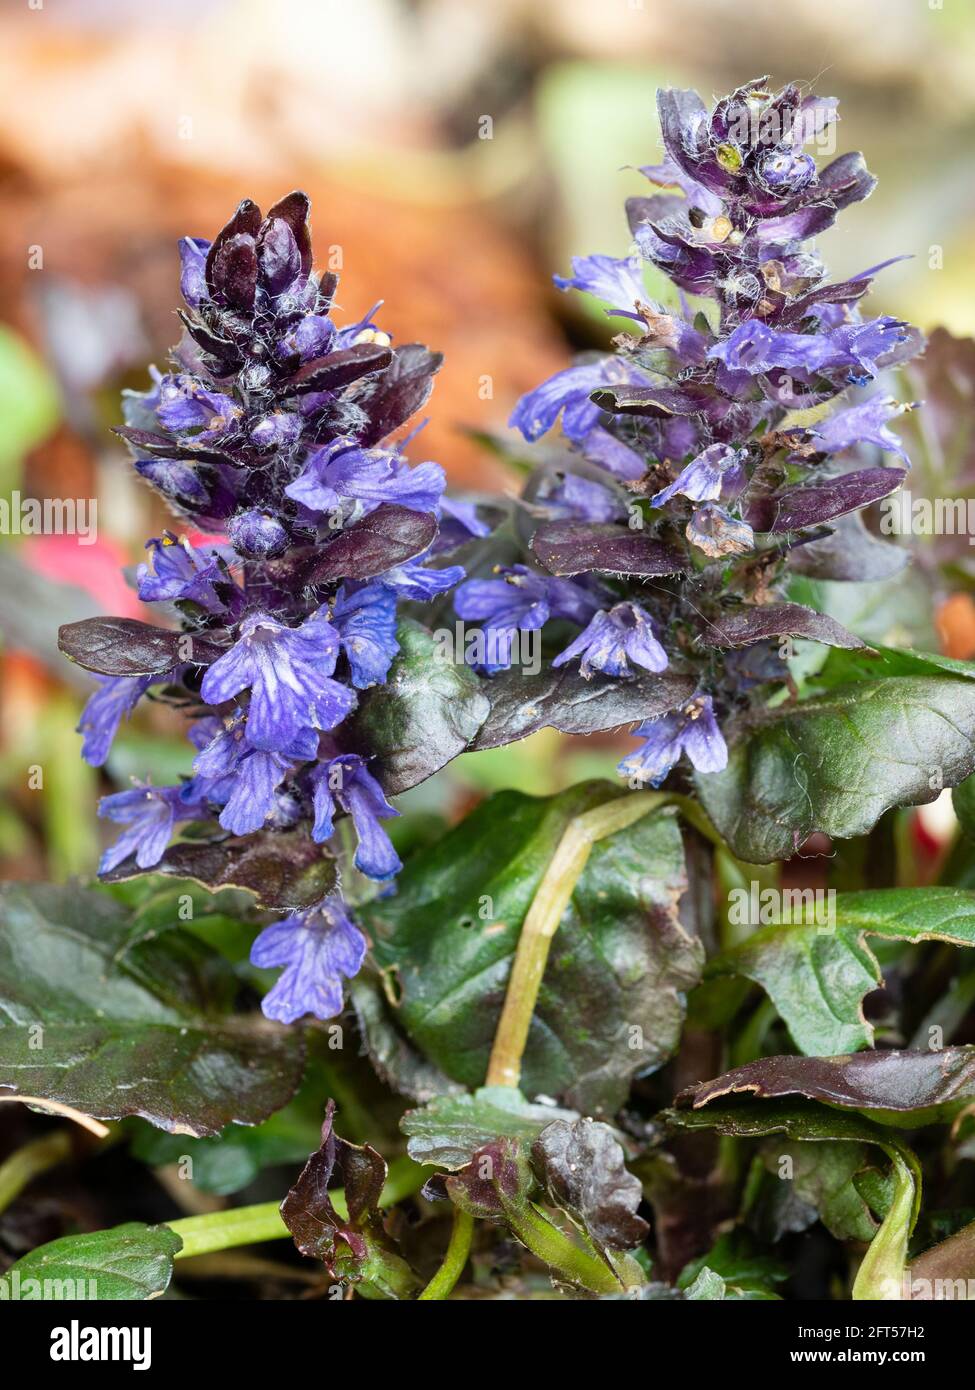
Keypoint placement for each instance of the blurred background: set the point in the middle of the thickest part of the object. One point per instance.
(458, 152)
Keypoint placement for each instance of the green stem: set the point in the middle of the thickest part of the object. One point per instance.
(882, 1269)
(29, 1162)
(542, 920)
(458, 1249)
(554, 1248)
(220, 1230)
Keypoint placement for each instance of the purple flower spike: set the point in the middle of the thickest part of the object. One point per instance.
(288, 672)
(317, 948)
(692, 729)
(346, 782)
(615, 642)
(342, 472)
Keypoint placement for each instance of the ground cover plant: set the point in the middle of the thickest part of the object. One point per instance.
(701, 1030)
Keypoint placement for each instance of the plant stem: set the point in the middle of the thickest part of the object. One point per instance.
(542, 920)
(458, 1249)
(220, 1230)
(31, 1161)
(554, 1248)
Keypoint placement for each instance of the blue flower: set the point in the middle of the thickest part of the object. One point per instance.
(343, 472)
(568, 392)
(599, 446)
(345, 782)
(150, 814)
(862, 424)
(317, 948)
(192, 280)
(180, 571)
(185, 405)
(412, 580)
(692, 729)
(754, 347)
(581, 499)
(616, 641)
(717, 471)
(116, 697)
(459, 522)
(365, 619)
(242, 779)
(618, 283)
(256, 534)
(288, 672)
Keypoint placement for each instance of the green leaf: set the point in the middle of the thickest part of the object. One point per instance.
(450, 1130)
(824, 1176)
(836, 762)
(133, 1261)
(581, 1165)
(817, 976)
(428, 711)
(611, 1002)
(734, 1259)
(117, 1028)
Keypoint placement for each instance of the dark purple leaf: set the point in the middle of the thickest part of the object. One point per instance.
(246, 221)
(582, 1167)
(847, 180)
(758, 624)
(293, 209)
(235, 271)
(354, 1249)
(226, 352)
(659, 402)
(653, 209)
(162, 446)
(902, 1082)
(573, 547)
(796, 507)
(400, 392)
(522, 704)
(127, 647)
(386, 537)
(286, 871)
(339, 368)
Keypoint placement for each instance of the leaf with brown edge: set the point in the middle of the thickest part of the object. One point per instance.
(758, 624)
(563, 699)
(581, 1166)
(571, 547)
(897, 1088)
(386, 537)
(346, 1234)
(128, 647)
(286, 871)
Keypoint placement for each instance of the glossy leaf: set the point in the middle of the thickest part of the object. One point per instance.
(817, 973)
(581, 1165)
(428, 711)
(450, 1130)
(386, 537)
(562, 699)
(758, 624)
(133, 1261)
(836, 762)
(130, 1029)
(286, 871)
(127, 647)
(612, 998)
